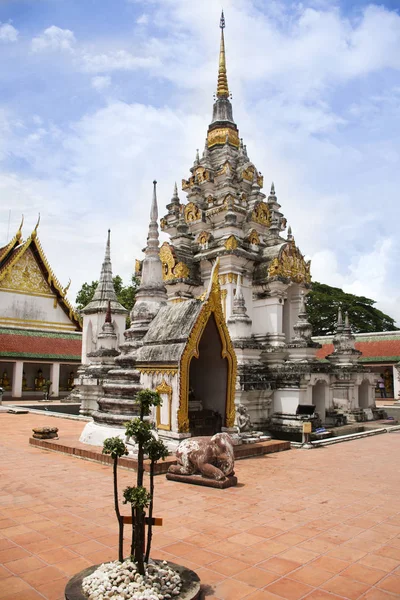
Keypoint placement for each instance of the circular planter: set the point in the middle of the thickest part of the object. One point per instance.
(190, 589)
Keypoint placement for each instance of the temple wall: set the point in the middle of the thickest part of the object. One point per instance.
(23, 310)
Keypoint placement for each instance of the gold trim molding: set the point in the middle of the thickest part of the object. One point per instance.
(218, 136)
(165, 389)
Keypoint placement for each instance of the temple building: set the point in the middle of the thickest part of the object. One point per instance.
(220, 315)
(40, 333)
(380, 351)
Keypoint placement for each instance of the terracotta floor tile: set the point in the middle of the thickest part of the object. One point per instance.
(209, 577)
(106, 555)
(228, 566)
(266, 532)
(343, 586)
(42, 546)
(22, 565)
(261, 595)
(256, 577)
(25, 595)
(51, 557)
(311, 575)
(73, 566)
(321, 595)
(364, 574)
(347, 553)
(279, 565)
(231, 589)
(379, 562)
(53, 590)
(13, 585)
(12, 554)
(5, 543)
(6, 523)
(298, 555)
(41, 576)
(376, 594)
(245, 539)
(389, 552)
(390, 584)
(26, 539)
(288, 588)
(88, 547)
(290, 538)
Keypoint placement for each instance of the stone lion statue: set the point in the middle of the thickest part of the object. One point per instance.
(212, 457)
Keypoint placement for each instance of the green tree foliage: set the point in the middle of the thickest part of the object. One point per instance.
(125, 293)
(324, 301)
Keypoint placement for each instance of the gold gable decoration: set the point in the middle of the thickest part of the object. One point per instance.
(203, 238)
(248, 174)
(261, 214)
(192, 213)
(202, 174)
(231, 243)
(212, 306)
(291, 265)
(172, 269)
(254, 238)
(26, 276)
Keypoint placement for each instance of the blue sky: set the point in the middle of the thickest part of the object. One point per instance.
(98, 98)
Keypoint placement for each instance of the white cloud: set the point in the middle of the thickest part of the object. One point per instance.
(8, 33)
(143, 19)
(116, 60)
(101, 82)
(315, 100)
(54, 38)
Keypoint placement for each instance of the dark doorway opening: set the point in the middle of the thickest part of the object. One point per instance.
(208, 381)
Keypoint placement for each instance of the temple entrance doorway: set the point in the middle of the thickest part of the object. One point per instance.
(208, 384)
(319, 392)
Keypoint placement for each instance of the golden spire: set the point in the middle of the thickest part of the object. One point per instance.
(222, 87)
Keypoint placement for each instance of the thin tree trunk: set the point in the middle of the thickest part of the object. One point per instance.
(139, 538)
(117, 512)
(150, 525)
(133, 532)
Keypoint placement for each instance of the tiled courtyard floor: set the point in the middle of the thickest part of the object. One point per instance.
(321, 524)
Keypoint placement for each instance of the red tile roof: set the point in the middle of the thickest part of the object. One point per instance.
(19, 343)
(377, 350)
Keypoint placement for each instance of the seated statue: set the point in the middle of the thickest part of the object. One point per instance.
(212, 457)
(70, 383)
(39, 381)
(24, 381)
(5, 382)
(243, 421)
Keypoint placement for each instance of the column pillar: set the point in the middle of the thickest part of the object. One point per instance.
(55, 379)
(396, 382)
(17, 379)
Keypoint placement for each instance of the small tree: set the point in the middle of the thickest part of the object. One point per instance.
(138, 497)
(116, 448)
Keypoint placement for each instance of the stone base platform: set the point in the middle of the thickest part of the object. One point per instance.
(230, 481)
(72, 446)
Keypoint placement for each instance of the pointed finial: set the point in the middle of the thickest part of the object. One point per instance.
(108, 313)
(222, 87)
(289, 234)
(346, 320)
(34, 232)
(197, 160)
(19, 232)
(272, 189)
(65, 290)
(108, 244)
(154, 207)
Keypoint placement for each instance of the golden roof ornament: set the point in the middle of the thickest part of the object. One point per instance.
(222, 87)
